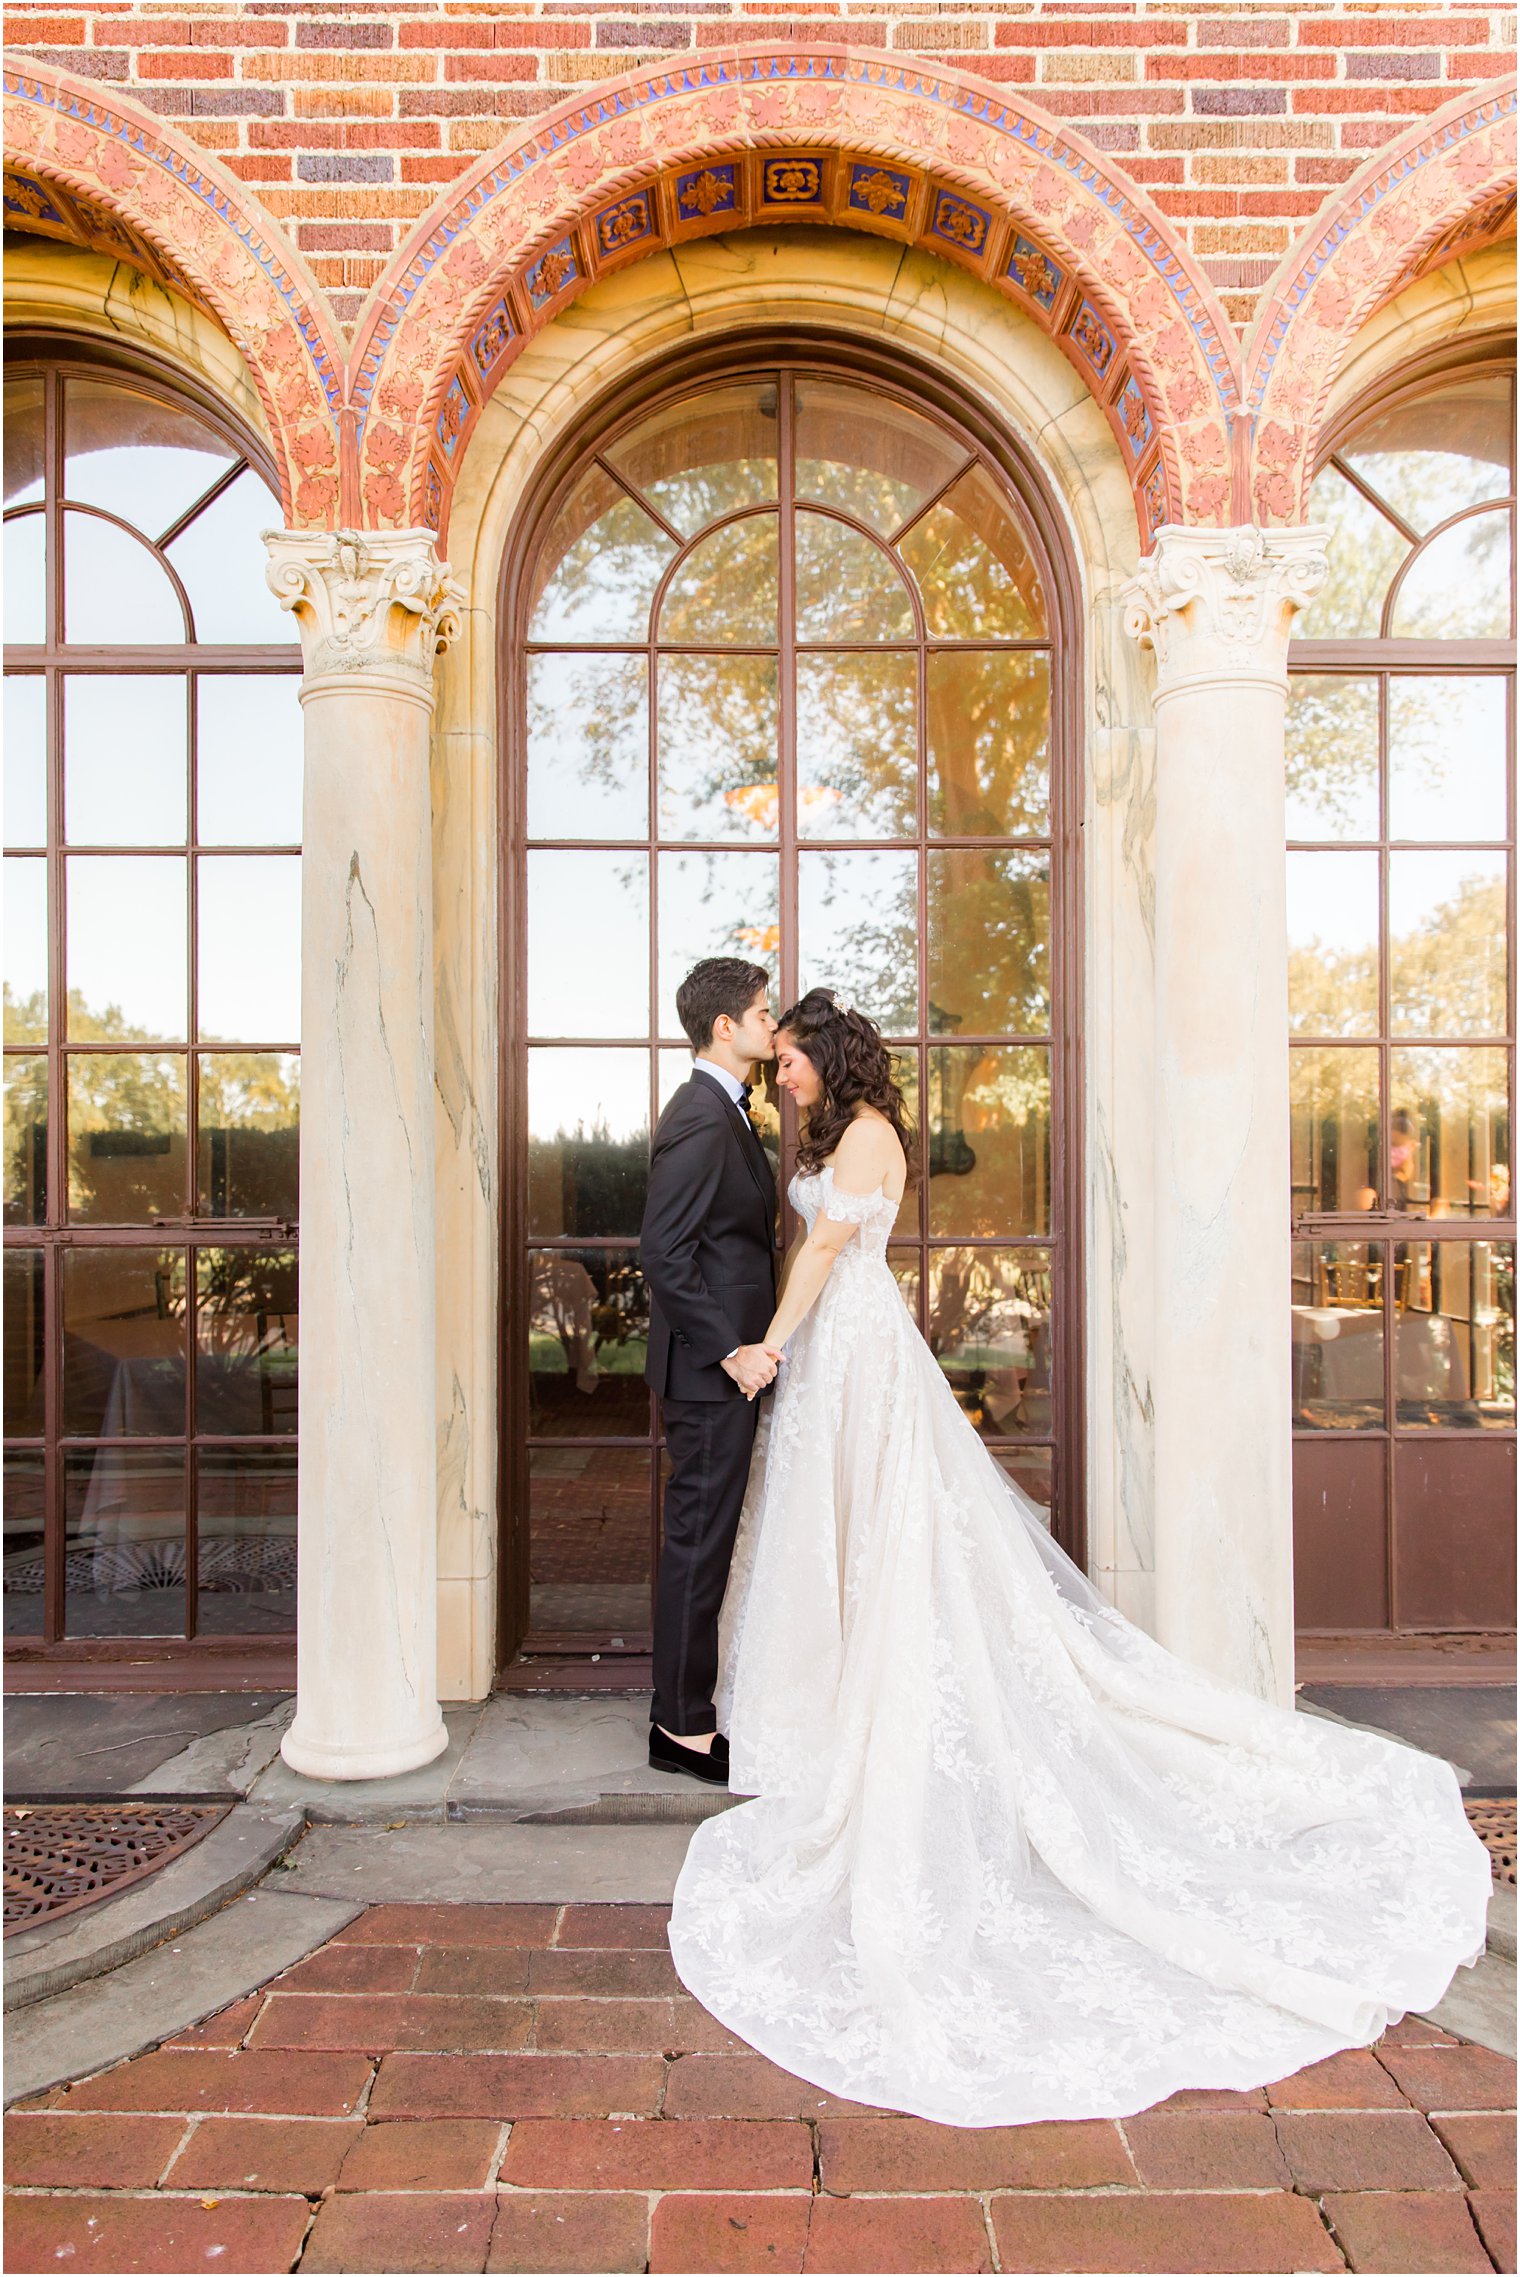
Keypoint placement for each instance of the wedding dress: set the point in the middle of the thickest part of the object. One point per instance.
(1010, 1859)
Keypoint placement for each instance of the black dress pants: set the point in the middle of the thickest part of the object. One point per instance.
(710, 1442)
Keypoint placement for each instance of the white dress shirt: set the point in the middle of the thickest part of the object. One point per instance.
(735, 1090)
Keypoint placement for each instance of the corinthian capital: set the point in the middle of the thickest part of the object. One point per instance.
(367, 601)
(1219, 604)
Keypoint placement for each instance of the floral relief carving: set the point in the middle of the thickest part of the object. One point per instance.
(366, 601)
(1218, 604)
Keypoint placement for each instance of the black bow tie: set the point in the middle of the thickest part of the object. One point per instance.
(744, 1092)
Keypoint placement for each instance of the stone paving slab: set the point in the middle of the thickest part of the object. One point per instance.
(404, 2098)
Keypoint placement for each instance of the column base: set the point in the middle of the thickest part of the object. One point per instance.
(329, 1759)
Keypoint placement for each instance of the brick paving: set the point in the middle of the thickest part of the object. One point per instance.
(500, 2087)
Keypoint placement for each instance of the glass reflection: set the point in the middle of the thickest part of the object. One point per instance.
(588, 1332)
(857, 746)
(588, 944)
(1333, 944)
(245, 1517)
(1446, 757)
(907, 1274)
(23, 428)
(26, 579)
(26, 1119)
(989, 942)
(591, 1527)
(24, 1523)
(989, 744)
(1458, 588)
(246, 1341)
(1333, 1125)
(124, 1527)
(869, 455)
(249, 927)
(115, 592)
(248, 1136)
(1338, 1335)
(989, 1140)
(1447, 935)
(713, 905)
(588, 1140)
(847, 589)
(1332, 745)
(25, 761)
(725, 592)
(973, 566)
(125, 759)
(588, 747)
(137, 457)
(25, 1346)
(248, 759)
(857, 928)
(600, 564)
(703, 456)
(990, 1328)
(123, 1343)
(1032, 1469)
(126, 1137)
(1451, 1126)
(1431, 457)
(1363, 550)
(26, 949)
(717, 747)
(1454, 1335)
(221, 561)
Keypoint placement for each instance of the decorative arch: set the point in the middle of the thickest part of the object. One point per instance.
(1447, 186)
(109, 174)
(761, 136)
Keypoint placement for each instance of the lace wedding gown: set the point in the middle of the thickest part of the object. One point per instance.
(1012, 1860)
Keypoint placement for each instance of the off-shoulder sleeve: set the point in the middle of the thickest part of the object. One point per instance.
(848, 1209)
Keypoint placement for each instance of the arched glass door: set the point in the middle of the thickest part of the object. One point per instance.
(785, 687)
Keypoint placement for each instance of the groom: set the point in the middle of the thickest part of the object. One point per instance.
(707, 1249)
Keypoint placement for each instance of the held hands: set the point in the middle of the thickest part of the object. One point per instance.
(752, 1367)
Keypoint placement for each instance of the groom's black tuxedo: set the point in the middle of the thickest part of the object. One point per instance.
(707, 1249)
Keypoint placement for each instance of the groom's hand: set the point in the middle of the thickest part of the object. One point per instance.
(752, 1367)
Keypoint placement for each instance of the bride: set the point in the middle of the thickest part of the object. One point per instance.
(1009, 1858)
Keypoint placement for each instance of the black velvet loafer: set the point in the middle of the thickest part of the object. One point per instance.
(666, 1754)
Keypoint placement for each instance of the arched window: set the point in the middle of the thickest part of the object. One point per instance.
(787, 684)
(1401, 922)
(152, 995)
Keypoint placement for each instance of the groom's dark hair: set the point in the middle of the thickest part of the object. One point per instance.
(715, 986)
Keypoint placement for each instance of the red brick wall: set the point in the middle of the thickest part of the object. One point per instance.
(348, 116)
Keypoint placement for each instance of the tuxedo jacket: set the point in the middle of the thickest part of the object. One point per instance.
(708, 1242)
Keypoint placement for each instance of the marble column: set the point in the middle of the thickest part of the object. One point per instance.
(1216, 607)
(374, 611)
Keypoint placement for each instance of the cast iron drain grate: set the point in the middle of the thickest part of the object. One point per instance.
(60, 1856)
(1493, 1822)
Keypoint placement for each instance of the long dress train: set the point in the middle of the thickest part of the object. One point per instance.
(1011, 1859)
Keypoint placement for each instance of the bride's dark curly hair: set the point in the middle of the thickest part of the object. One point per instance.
(853, 1064)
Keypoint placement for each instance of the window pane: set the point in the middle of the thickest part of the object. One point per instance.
(26, 1118)
(144, 460)
(1333, 944)
(1431, 457)
(124, 1515)
(592, 1541)
(1446, 758)
(725, 591)
(588, 1141)
(250, 947)
(1333, 1112)
(221, 559)
(847, 589)
(123, 1343)
(857, 746)
(588, 1332)
(1363, 550)
(868, 455)
(1458, 588)
(1451, 1126)
(23, 441)
(1338, 1335)
(973, 567)
(1332, 739)
(126, 1137)
(248, 759)
(126, 948)
(714, 905)
(704, 456)
(25, 1507)
(989, 943)
(990, 1329)
(989, 1140)
(26, 950)
(717, 747)
(588, 747)
(588, 944)
(115, 591)
(1033, 1470)
(858, 932)
(25, 761)
(245, 1540)
(906, 1273)
(25, 579)
(599, 567)
(24, 1346)
(125, 761)
(1454, 1335)
(1446, 949)
(248, 1135)
(989, 744)
(246, 1337)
